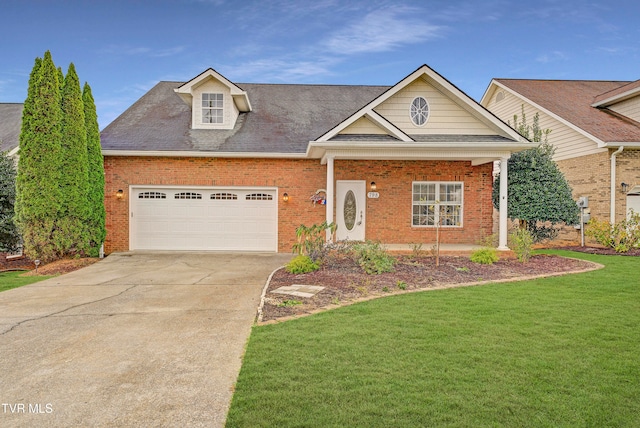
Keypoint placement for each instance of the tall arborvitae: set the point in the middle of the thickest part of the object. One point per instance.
(38, 191)
(96, 220)
(72, 232)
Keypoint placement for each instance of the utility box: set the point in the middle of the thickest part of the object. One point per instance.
(583, 202)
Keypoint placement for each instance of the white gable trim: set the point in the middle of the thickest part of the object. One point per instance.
(240, 97)
(618, 98)
(444, 86)
(492, 88)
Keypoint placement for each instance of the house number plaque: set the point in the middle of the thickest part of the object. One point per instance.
(373, 195)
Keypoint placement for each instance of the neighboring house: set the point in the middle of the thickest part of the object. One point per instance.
(209, 164)
(10, 122)
(595, 131)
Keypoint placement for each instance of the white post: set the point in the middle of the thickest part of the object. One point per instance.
(612, 207)
(330, 196)
(503, 224)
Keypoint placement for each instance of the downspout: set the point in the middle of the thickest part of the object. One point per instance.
(612, 209)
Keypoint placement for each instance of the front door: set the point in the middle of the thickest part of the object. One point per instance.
(351, 210)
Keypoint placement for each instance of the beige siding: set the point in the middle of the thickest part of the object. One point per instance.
(629, 108)
(445, 116)
(568, 142)
(363, 126)
(230, 110)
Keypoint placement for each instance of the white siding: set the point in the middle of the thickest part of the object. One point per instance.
(568, 142)
(230, 109)
(445, 116)
(363, 126)
(629, 108)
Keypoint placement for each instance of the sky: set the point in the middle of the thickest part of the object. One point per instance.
(123, 48)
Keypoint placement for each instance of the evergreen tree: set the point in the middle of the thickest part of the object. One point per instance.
(9, 237)
(96, 219)
(71, 235)
(38, 192)
(538, 191)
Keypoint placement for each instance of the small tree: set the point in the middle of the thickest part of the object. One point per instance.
(9, 236)
(538, 191)
(38, 192)
(95, 186)
(71, 233)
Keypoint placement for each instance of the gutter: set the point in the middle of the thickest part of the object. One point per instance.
(612, 209)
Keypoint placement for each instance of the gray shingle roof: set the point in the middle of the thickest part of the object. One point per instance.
(10, 122)
(283, 120)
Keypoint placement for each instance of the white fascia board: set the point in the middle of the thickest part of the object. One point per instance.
(475, 157)
(388, 126)
(190, 154)
(613, 145)
(598, 141)
(617, 98)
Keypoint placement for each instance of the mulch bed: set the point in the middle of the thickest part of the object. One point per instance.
(346, 283)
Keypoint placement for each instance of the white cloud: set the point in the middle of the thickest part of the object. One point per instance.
(551, 57)
(380, 31)
(141, 51)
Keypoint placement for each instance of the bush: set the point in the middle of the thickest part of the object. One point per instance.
(312, 240)
(621, 236)
(373, 258)
(521, 244)
(485, 256)
(301, 264)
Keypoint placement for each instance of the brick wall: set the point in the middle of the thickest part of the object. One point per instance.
(388, 218)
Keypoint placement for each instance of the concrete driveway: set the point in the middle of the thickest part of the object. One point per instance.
(138, 339)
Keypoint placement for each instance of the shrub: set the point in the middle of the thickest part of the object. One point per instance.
(485, 256)
(521, 244)
(373, 258)
(312, 240)
(621, 236)
(301, 264)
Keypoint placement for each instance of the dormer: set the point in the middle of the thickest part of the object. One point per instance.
(215, 101)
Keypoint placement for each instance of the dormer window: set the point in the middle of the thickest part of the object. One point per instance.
(212, 108)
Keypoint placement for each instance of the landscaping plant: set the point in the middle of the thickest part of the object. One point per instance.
(301, 264)
(373, 258)
(485, 256)
(621, 236)
(312, 241)
(522, 244)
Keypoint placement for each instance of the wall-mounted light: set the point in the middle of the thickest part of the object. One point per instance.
(624, 187)
(285, 197)
(373, 186)
(119, 194)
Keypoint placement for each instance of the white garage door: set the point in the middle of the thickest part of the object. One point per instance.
(204, 219)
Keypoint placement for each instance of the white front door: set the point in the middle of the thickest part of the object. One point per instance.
(633, 203)
(351, 210)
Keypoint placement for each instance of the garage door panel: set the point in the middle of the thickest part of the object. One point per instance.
(231, 219)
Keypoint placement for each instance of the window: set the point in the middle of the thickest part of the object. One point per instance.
(152, 195)
(259, 197)
(435, 202)
(419, 111)
(188, 195)
(225, 196)
(212, 108)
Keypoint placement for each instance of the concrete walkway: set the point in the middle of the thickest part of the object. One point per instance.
(138, 339)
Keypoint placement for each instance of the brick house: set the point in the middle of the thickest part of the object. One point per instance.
(209, 164)
(595, 131)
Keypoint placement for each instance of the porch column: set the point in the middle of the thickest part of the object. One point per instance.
(503, 224)
(330, 196)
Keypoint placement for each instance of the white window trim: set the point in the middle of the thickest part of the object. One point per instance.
(211, 109)
(426, 120)
(437, 212)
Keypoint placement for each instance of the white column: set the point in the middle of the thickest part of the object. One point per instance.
(503, 224)
(330, 196)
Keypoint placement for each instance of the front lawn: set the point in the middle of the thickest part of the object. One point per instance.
(560, 351)
(9, 280)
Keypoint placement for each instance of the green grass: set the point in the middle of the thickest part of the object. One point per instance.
(9, 280)
(555, 352)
